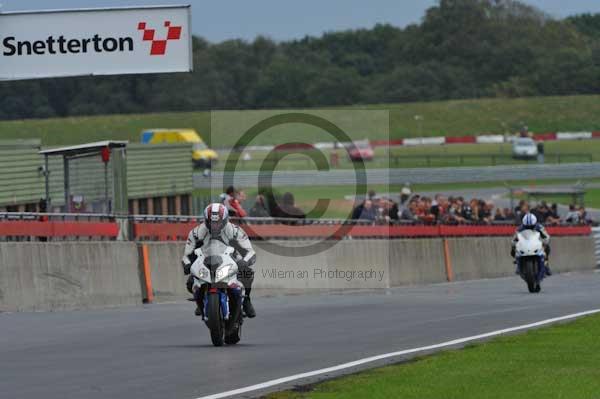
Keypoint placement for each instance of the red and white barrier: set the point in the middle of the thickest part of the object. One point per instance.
(574, 136)
(484, 139)
(490, 139)
(439, 140)
(424, 141)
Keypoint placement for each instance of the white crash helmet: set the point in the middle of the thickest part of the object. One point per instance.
(529, 220)
(216, 217)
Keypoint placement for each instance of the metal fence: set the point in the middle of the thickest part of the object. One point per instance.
(451, 160)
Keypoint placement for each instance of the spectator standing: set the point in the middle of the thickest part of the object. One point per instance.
(499, 215)
(466, 212)
(368, 212)
(409, 213)
(288, 209)
(573, 217)
(553, 216)
(583, 216)
(394, 211)
(259, 210)
(540, 147)
(231, 200)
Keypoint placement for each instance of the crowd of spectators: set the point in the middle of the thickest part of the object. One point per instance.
(284, 207)
(411, 208)
(443, 209)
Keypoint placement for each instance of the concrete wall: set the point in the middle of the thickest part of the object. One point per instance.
(349, 264)
(168, 281)
(480, 257)
(414, 262)
(489, 257)
(68, 275)
(571, 254)
(295, 270)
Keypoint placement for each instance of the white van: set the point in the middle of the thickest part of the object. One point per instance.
(524, 148)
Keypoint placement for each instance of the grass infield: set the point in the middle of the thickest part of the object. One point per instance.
(559, 362)
(442, 118)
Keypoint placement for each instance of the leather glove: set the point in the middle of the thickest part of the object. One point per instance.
(242, 264)
(187, 269)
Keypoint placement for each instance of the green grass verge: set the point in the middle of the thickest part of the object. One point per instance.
(557, 362)
(447, 118)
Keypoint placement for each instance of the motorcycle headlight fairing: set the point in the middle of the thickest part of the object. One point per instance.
(204, 274)
(224, 272)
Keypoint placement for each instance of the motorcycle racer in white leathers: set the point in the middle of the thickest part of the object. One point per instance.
(530, 223)
(216, 226)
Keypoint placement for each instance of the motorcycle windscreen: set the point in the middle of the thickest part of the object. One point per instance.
(529, 234)
(214, 248)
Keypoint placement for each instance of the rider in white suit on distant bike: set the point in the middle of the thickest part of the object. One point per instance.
(530, 223)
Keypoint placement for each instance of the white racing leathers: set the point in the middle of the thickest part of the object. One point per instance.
(230, 235)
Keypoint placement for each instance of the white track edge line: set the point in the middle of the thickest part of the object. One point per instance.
(283, 380)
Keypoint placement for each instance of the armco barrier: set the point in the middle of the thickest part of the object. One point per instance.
(59, 229)
(180, 231)
(68, 275)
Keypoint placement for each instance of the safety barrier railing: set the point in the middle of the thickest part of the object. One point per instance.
(27, 226)
(260, 228)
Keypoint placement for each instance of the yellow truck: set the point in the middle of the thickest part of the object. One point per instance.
(202, 156)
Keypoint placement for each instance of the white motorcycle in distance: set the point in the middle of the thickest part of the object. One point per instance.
(531, 259)
(215, 278)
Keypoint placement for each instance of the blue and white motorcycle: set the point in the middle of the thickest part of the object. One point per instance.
(216, 283)
(531, 259)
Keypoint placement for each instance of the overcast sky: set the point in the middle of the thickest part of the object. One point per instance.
(282, 20)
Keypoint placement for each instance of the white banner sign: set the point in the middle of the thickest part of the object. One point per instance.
(113, 41)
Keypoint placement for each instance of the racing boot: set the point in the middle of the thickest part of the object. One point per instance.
(189, 284)
(247, 306)
(199, 311)
(199, 299)
(548, 271)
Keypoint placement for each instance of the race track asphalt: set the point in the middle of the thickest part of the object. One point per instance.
(163, 351)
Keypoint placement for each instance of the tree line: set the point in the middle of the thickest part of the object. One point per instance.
(460, 49)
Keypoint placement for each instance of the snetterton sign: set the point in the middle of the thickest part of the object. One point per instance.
(95, 42)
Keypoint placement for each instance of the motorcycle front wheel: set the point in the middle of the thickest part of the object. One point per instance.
(215, 319)
(530, 273)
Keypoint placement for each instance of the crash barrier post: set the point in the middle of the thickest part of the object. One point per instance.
(448, 261)
(146, 274)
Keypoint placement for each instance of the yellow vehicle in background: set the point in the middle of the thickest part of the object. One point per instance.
(202, 156)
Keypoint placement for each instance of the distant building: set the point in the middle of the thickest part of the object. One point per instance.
(158, 180)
